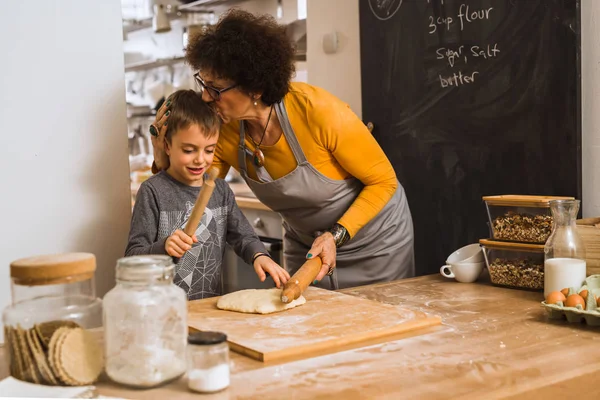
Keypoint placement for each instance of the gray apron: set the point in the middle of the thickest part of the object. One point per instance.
(310, 202)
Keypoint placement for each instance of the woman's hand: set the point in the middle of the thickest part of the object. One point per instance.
(161, 160)
(265, 264)
(178, 243)
(324, 247)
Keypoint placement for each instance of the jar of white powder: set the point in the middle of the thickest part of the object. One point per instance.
(208, 362)
(145, 323)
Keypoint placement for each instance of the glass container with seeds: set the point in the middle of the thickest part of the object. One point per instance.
(49, 325)
(520, 218)
(515, 265)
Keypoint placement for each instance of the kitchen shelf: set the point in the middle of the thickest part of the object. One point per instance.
(144, 65)
(202, 5)
(132, 25)
(177, 12)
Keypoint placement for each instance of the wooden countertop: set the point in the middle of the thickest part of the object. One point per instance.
(494, 343)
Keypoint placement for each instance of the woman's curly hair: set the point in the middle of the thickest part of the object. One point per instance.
(251, 50)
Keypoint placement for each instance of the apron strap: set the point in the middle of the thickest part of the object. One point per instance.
(289, 133)
(261, 173)
(333, 280)
(242, 150)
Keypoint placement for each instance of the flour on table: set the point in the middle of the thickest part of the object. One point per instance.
(257, 301)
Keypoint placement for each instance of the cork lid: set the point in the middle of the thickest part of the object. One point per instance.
(53, 269)
(522, 200)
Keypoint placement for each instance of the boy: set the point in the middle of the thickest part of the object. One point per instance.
(165, 201)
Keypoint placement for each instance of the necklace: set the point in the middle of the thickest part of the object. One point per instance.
(258, 158)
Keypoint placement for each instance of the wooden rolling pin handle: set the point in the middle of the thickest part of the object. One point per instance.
(298, 283)
(203, 197)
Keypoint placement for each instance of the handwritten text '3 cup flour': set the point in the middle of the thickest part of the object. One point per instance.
(465, 16)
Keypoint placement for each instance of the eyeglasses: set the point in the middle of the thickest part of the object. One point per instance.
(214, 93)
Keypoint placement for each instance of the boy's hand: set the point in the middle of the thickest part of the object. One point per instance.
(265, 264)
(178, 243)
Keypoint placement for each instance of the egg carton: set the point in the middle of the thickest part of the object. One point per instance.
(591, 313)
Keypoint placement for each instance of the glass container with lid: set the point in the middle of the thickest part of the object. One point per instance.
(208, 362)
(514, 265)
(53, 296)
(520, 218)
(145, 323)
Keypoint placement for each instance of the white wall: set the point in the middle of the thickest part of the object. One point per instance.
(64, 155)
(590, 104)
(339, 73)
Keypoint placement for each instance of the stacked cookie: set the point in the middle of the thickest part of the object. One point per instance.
(54, 353)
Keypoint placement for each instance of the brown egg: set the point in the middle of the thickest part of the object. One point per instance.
(584, 294)
(565, 291)
(555, 297)
(598, 301)
(573, 300)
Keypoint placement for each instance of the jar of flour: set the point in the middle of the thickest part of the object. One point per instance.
(145, 323)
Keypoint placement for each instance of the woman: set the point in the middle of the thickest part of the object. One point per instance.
(303, 153)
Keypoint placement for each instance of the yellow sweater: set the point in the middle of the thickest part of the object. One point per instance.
(335, 142)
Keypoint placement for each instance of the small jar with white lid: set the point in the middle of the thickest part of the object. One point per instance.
(208, 362)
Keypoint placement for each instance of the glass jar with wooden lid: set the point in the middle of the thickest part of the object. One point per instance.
(47, 325)
(514, 265)
(520, 218)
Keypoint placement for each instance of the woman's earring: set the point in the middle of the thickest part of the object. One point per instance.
(255, 103)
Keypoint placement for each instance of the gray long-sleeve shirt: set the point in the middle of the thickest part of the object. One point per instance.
(164, 205)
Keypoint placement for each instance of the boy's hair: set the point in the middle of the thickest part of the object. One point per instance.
(187, 108)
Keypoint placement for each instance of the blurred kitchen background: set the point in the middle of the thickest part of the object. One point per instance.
(155, 33)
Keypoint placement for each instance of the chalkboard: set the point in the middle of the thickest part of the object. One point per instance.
(471, 98)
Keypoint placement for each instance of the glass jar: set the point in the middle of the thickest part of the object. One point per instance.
(52, 296)
(564, 251)
(208, 362)
(145, 323)
(520, 218)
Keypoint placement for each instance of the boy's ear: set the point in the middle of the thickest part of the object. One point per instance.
(167, 147)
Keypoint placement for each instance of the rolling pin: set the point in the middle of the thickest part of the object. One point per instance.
(205, 192)
(301, 279)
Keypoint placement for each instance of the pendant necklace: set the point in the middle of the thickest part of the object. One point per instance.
(258, 158)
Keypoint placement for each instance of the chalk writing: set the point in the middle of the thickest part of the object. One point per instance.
(457, 79)
(462, 53)
(450, 55)
(486, 52)
(384, 9)
(466, 15)
(433, 23)
(459, 56)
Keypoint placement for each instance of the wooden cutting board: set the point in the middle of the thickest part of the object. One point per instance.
(329, 321)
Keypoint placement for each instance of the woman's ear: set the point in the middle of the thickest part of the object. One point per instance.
(255, 97)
